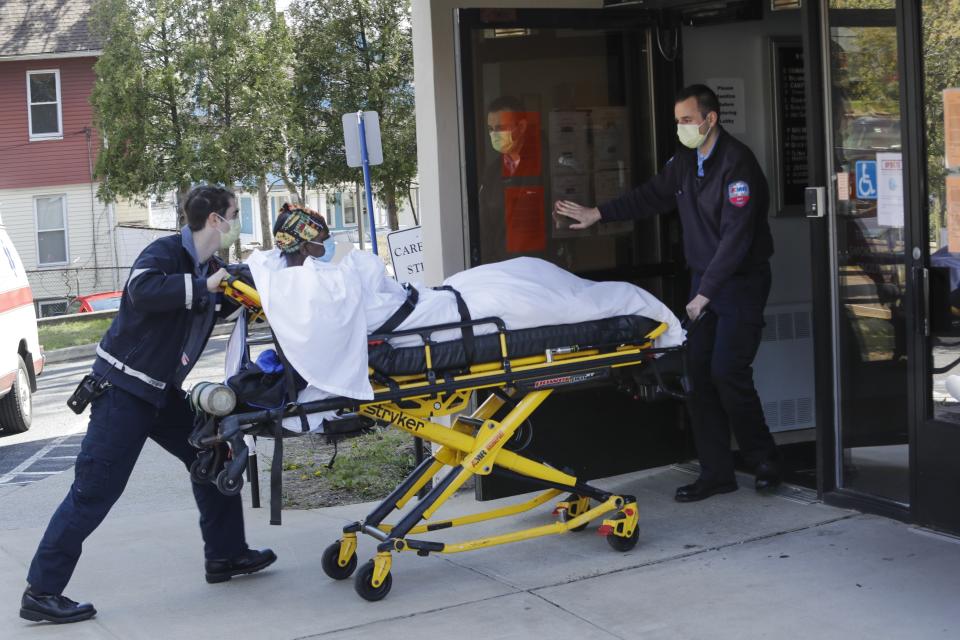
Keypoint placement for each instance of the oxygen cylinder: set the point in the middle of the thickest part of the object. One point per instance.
(213, 398)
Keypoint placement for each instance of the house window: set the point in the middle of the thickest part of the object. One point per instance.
(43, 104)
(246, 215)
(349, 208)
(51, 217)
(47, 308)
(275, 203)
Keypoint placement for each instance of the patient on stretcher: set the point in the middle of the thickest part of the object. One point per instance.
(322, 313)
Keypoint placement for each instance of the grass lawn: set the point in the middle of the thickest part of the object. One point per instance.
(367, 467)
(58, 336)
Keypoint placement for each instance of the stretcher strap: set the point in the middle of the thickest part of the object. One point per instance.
(401, 314)
(468, 346)
(291, 388)
(276, 473)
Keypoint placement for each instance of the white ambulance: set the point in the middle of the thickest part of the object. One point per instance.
(20, 358)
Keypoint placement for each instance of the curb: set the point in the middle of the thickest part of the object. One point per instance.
(83, 351)
(70, 353)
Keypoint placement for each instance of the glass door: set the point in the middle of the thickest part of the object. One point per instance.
(938, 438)
(868, 259)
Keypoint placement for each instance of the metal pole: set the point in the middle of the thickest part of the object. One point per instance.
(365, 159)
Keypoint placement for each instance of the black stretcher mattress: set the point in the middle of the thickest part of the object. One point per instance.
(386, 359)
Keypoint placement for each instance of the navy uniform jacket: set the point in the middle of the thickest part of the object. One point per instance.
(724, 213)
(165, 319)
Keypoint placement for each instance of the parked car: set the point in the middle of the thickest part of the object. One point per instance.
(106, 301)
(20, 358)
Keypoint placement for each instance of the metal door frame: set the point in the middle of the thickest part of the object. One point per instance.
(816, 33)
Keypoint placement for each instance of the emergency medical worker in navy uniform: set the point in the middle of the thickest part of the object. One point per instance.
(718, 188)
(166, 315)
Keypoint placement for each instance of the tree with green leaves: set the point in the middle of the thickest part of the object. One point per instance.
(355, 55)
(191, 91)
(144, 102)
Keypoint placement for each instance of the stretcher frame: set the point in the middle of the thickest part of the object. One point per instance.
(474, 445)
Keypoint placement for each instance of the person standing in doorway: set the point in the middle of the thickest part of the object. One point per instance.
(166, 315)
(721, 194)
(511, 184)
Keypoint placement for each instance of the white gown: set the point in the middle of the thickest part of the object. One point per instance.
(322, 313)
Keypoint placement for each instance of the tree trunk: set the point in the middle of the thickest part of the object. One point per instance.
(182, 192)
(392, 210)
(361, 222)
(266, 229)
(413, 207)
(292, 189)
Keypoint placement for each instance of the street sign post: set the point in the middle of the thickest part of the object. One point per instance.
(361, 137)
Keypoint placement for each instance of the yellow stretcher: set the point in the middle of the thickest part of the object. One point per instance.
(476, 444)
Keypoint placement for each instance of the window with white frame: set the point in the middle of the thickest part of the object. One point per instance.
(44, 105)
(349, 208)
(51, 216)
(246, 215)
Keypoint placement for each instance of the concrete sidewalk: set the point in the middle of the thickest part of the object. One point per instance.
(736, 566)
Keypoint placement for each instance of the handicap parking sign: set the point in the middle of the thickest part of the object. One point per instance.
(866, 179)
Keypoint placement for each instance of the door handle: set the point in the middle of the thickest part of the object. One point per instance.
(922, 280)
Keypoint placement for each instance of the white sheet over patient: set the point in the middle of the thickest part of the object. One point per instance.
(321, 313)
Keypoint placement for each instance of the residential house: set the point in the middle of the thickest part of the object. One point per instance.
(65, 235)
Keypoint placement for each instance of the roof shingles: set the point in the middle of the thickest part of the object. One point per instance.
(37, 27)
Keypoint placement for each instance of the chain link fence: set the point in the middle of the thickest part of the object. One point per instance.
(54, 289)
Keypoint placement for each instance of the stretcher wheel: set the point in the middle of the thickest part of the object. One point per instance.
(332, 568)
(201, 470)
(522, 437)
(229, 486)
(618, 543)
(581, 527)
(362, 584)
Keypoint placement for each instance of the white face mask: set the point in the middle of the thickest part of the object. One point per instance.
(329, 248)
(227, 239)
(502, 141)
(690, 136)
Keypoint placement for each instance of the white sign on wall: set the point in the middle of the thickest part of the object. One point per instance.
(406, 252)
(732, 103)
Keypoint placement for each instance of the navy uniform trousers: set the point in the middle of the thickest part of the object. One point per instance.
(120, 424)
(721, 350)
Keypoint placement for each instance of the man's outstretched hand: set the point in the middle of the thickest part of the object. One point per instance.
(583, 217)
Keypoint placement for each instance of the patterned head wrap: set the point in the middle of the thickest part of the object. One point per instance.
(300, 224)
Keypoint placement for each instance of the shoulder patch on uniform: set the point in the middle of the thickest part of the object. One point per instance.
(738, 193)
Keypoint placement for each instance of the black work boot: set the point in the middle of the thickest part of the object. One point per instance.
(767, 475)
(250, 561)
(52, 607)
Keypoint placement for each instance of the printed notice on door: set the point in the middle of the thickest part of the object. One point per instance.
(890, 189)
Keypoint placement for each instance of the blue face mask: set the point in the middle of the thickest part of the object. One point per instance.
(329, 248)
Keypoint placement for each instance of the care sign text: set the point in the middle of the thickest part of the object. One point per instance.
(406, 252)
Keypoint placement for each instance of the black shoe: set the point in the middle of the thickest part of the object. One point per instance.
(250, 561)
(51, 607)
(700, 490)
(767, 476)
